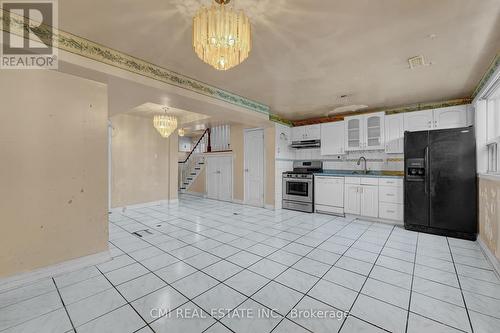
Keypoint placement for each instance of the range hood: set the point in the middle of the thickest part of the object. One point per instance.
(306, 144)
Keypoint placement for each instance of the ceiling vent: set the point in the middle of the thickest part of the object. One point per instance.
(418, 61)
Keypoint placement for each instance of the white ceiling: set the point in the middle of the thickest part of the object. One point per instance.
(308, 53)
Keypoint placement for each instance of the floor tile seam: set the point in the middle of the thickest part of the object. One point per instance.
(460, 287)
(189, 299)
(64, 305)
(321, 278)
(33, 318)
(364, 283)
(411, 285)
(124, 298)
(27, 299)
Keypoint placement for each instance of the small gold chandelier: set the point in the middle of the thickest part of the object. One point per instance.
(165, 124)
(222, 37)
(181, 132)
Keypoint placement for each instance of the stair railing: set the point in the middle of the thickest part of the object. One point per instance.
(201, 146)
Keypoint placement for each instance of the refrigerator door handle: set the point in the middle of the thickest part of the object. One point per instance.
(427, 171)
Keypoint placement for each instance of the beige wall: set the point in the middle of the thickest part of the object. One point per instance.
(53, 170)
(144, 165)
(489, 214)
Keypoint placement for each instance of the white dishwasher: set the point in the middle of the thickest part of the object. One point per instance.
(329, 195)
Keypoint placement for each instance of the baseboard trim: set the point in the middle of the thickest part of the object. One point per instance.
(491, 257)
(52, 270)
(237, 201)
(145, 205)
(194, 194)
(271, 207)
(374, 219)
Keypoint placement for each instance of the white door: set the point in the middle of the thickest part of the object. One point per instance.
(332, 138)
(254, 167)
(353, 133)
(225, 181)
(352, 204)
(329, 191)
(450, 117)
(369, 201)
(394, 134)
(418, 120)
(374, 131)
(212, 178)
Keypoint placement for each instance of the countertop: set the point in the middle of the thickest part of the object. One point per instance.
(355, 173)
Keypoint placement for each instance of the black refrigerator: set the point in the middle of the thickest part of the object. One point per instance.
(440, 182)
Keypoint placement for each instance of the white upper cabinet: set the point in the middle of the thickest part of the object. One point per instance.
(332, 138)
(298, 133)
(374, 131)
(353, 135)
(394, 134)
(310, 132)
(418, 120)
(364, 132)
(450, 117)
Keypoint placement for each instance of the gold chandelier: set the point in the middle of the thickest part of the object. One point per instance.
(181, 132)
(165, 124)
(221, 36)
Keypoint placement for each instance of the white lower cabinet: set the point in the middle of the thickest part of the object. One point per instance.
(219, 173)
(391, 196)
(369, 200)
(352, 199)
(329, 194)
(361, 196)
(364, 196)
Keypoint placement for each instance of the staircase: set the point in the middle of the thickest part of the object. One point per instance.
(194, 163)
(191, 172)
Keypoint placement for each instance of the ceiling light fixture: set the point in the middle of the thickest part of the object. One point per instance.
(165, 124)
(181, 132)
(222, 37)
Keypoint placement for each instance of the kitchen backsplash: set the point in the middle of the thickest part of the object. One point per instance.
(377, 160)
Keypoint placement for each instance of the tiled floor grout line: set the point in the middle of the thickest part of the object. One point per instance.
(126, 303)
(411, 286)
(460, 285)
(244, 268)
(64, 305)
(171, 286)
(258, 223)
(321, 278)
(304, 256)
(362, 286)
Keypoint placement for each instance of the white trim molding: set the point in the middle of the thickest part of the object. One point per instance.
(53, 270)
(491, 257)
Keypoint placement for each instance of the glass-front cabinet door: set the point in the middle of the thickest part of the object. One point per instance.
(353, 135)
(374, 131)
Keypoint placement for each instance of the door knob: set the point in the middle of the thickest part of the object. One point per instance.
(246, 170)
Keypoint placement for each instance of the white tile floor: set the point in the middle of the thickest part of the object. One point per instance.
(221, 267)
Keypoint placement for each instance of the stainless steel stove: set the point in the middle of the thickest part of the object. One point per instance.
(298, 186)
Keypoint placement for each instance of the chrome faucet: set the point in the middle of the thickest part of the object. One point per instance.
(365, 171)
